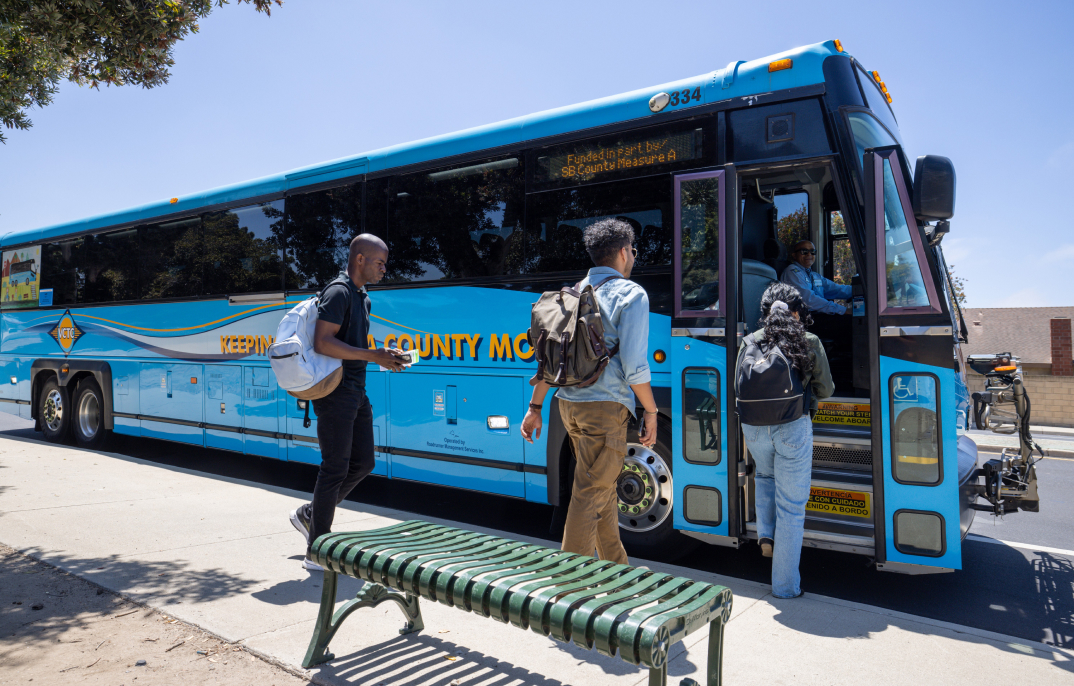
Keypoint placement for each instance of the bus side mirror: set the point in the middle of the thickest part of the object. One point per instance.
(934, 188)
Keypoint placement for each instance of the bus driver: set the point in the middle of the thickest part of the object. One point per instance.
(817, 291)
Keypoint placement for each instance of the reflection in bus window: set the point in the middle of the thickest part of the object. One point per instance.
(106, 266)
(905, 287)
(792, 218)
(168, 263)
(320, 227)
(457, 223)
(915, 435)
(843, 267)
(868, 133)
(558, 220)
(243, 249)
(700, 225)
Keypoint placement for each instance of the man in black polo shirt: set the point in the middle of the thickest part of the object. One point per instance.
(344, 416)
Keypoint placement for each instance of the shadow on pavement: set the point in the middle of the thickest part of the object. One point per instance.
(159, 583)
(307, 590)
(1001, 583)
(420, 660)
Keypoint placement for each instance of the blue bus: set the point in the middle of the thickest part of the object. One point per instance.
(161, 315)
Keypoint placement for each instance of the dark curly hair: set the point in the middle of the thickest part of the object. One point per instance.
(605, 238)
(782, 329)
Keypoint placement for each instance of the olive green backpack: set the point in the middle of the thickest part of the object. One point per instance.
(567, 335)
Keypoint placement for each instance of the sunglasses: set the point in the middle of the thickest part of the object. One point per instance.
(634, 250)
(804, 251)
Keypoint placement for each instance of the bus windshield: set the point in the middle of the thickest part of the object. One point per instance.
(868, 133)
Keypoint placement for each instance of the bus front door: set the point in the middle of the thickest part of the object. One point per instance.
(704, 435)
(915, 485)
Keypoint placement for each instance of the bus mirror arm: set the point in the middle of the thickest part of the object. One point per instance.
(942, 228)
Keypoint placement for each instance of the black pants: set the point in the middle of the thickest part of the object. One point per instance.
(345, 432)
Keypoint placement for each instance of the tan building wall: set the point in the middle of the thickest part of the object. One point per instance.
(1051, 398)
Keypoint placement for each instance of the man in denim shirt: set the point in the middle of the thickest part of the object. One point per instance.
(596, 416)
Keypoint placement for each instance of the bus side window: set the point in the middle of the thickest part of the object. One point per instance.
(457, 223)
(243, 249)
(58, 272)
(319, 230)
(558, 219)
(169, 264)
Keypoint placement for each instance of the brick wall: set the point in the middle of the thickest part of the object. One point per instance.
(1052, 398)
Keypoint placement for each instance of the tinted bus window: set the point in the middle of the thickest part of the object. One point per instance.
(168, 261)
(243, 249)
(91, 269)
(58, 272)
(320, 227)
(457, 223)
(106, 267)
(557, 221)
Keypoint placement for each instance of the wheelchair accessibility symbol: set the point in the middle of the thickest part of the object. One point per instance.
(904, 389)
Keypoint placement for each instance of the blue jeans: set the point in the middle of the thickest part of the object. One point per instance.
(784, 458)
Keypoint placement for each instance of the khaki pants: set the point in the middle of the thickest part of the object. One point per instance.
(598, 432)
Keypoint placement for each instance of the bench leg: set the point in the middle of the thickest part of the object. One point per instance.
(323, 631)
(714, 664)
(659, 676)
(371, 595)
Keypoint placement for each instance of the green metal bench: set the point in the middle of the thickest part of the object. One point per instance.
(616, 608)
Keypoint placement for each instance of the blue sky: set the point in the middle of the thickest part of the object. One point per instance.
(987, 84)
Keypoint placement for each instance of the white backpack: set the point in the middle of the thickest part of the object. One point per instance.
(300, 370)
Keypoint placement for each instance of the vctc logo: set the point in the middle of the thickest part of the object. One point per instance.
(66, 333)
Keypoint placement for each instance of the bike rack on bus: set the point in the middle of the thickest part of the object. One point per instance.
(1009, 481)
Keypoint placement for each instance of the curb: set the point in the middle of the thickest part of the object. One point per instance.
(997, 449)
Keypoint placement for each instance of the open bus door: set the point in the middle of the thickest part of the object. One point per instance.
(916, 483)
(703, 349)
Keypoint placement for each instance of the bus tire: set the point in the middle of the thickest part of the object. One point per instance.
(649, 532)
(88, 417)
(54, 409)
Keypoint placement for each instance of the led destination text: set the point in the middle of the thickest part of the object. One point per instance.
(586, 161)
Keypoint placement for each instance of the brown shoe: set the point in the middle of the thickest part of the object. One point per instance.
(766, 547)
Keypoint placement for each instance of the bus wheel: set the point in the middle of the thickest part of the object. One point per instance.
(88, 422)
(646, 500)
(55, 411)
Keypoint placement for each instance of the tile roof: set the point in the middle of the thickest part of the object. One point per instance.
(1021, 331)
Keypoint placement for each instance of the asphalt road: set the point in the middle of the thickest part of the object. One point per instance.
(1008, 589)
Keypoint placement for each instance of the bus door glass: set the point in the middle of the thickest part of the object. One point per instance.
(704, 286)
(915, 380)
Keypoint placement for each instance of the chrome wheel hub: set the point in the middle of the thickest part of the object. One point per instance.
(644, 489)
(53, 410)
(89, 415)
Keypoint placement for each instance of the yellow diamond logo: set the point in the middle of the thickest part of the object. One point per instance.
(66, 332)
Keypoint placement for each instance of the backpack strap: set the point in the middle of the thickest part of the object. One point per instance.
(615, 348)
(306, 419)
(347, 314)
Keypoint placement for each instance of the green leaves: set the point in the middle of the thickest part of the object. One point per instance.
(90, 42)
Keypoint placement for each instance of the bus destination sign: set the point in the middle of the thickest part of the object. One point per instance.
(584, 161)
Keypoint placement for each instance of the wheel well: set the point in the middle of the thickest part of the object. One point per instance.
(70, 373)
(36, 384)
(558, 433)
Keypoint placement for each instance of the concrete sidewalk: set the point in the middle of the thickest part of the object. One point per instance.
(219, 553)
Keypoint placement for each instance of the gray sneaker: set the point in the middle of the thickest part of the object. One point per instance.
(300, 523)
(311, 566)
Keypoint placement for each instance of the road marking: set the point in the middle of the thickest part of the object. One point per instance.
(1023, 546)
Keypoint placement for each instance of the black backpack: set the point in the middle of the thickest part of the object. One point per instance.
(768, 388)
